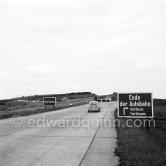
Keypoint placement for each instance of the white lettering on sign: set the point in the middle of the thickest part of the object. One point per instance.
(123, 104)
(136, 109)
(137, 114)
(140, 104)
(136, 97)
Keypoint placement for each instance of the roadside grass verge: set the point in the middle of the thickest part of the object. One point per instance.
(138, 146)
(37, 107)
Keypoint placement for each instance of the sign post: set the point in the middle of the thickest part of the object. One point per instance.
(135, 105)
(49, 101)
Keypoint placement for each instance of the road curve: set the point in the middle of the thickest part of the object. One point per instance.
(68, 137)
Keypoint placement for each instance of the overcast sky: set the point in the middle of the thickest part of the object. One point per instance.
(60, 46)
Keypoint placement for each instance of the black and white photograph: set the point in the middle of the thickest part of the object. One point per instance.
(82, 83)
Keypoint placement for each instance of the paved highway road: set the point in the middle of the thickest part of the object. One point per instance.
(68, 137)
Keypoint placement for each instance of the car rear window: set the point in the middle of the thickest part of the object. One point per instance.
(93, 103)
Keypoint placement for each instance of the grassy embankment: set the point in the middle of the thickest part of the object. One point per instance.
(138, 146)
(12, 107)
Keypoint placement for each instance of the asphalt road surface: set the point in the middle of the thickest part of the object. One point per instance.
(68, 137)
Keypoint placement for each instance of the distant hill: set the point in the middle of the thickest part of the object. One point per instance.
(74, 95)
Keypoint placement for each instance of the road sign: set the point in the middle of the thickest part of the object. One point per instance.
(49, 101)
(135, 105)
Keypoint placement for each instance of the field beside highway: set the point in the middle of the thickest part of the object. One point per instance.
(139, 146)
(24, 108)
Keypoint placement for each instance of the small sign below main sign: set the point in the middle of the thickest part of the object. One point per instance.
(49, 101)
(135, 105)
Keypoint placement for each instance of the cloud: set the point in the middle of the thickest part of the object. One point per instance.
(41, 68)
(89, 45)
